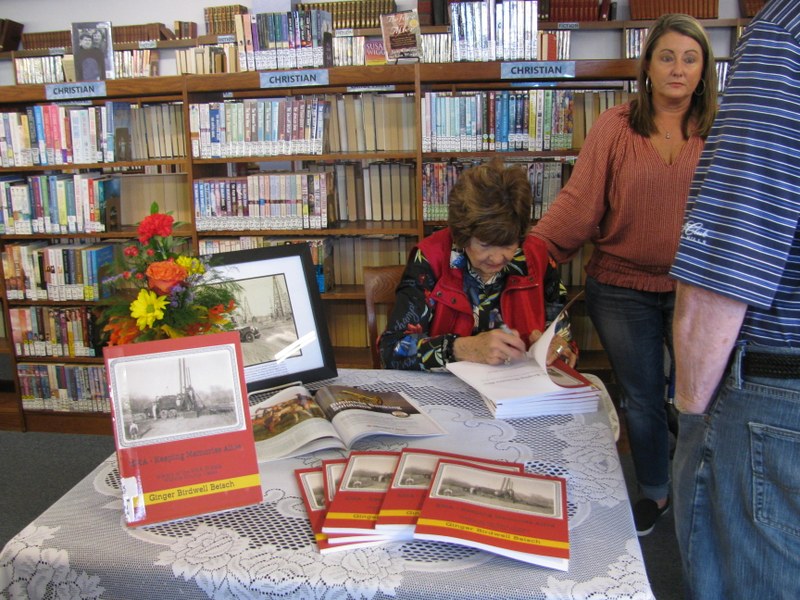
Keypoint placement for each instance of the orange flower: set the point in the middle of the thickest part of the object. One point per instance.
(164, 275)
(122, 330)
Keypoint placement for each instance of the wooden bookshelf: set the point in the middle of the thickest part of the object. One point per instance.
(345, 300)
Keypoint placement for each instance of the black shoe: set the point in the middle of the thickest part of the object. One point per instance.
(645, 514)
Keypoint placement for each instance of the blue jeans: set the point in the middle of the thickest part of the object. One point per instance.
(737, 491)
(635, 328)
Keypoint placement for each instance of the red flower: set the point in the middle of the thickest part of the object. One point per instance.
(131, 251)
(155, 224)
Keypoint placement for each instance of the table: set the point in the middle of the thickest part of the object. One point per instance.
(80, 547)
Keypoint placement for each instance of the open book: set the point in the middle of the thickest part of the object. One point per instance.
(530, 387)
(293, 422)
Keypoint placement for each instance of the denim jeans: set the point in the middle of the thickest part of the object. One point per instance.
(635, 327)
(737, 492)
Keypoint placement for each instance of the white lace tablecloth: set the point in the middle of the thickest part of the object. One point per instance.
(80, 547)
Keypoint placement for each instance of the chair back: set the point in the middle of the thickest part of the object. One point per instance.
(380, 284)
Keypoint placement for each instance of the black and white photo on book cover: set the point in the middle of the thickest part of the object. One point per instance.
(93, 51)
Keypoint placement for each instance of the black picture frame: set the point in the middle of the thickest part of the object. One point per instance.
(279, 297)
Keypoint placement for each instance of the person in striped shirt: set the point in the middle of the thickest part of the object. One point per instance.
(737, 330)
(626, 196)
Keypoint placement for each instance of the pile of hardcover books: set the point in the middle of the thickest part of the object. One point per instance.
(372, 498)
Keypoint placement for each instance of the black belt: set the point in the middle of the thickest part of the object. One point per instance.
(779, 366)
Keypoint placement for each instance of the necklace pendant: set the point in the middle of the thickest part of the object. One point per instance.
(668, 135)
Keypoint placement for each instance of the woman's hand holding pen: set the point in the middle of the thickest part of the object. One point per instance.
(559, 348)
(493, 347)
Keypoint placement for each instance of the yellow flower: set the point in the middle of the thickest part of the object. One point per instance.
(193, 266)
(148, 308)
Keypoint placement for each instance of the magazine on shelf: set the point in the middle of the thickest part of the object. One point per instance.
(409, 486)
(401, 36)
(530, 387)
(183, 437)
(294, 422)
(519, 515)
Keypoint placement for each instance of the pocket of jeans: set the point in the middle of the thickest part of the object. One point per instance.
(776, 478)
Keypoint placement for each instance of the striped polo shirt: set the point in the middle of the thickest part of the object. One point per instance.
(741, 234)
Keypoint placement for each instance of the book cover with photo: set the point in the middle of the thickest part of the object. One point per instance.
(93, 51)
(409, 486)
(183, 436)
(519, 515)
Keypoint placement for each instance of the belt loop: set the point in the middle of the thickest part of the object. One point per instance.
(736, 366)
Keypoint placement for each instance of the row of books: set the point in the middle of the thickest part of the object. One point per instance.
(57, 204)
(121, 34)
(52, 331)
(258, 127)
(378, 191)
(64, 388)
(208, 58)
(273, 200)
(287, 40)
(41, 270)
(58, 134)
(59, 68)
(489, 30)
(438, 178)
(506, 120)
(321, 252)
(310, 124)
(350, 14)
(221, 19)
(377, 497)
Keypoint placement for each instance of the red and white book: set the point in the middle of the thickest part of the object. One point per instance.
(313, 492)
(409, 486)
(354, 508)
(519, 515)
(183, 434)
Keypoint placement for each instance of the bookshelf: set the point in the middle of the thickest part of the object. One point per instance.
(357, 239)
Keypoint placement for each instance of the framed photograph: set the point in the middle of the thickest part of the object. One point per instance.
(93, 51)
(279, 318)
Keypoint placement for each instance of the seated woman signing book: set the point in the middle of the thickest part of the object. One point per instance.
(480, 289)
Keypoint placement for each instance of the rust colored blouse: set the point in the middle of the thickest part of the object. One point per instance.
(624, 198)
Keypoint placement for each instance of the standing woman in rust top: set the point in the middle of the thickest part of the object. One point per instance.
(627, 195)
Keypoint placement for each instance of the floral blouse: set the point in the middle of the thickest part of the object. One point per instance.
(406, 344)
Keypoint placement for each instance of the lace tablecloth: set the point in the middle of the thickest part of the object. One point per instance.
(80, 547)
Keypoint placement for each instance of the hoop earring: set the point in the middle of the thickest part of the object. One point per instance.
(700, 92)
(648, 85)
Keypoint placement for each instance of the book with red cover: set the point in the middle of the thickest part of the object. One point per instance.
(409, 486)
(354, 508)
(313, 492)
(519, 515)
(183, 435)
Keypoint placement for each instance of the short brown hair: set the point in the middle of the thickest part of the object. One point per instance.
(491, 202)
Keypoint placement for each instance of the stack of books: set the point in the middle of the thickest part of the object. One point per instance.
(372, 498)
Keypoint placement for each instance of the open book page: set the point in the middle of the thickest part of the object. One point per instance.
(293, 422)
(357, 413)
(290, 424)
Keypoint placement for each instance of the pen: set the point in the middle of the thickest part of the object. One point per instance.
(501, 325)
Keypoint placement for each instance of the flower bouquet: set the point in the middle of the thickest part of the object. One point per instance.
(161, 292)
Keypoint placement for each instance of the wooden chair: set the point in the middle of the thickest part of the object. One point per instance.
(380, 284)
